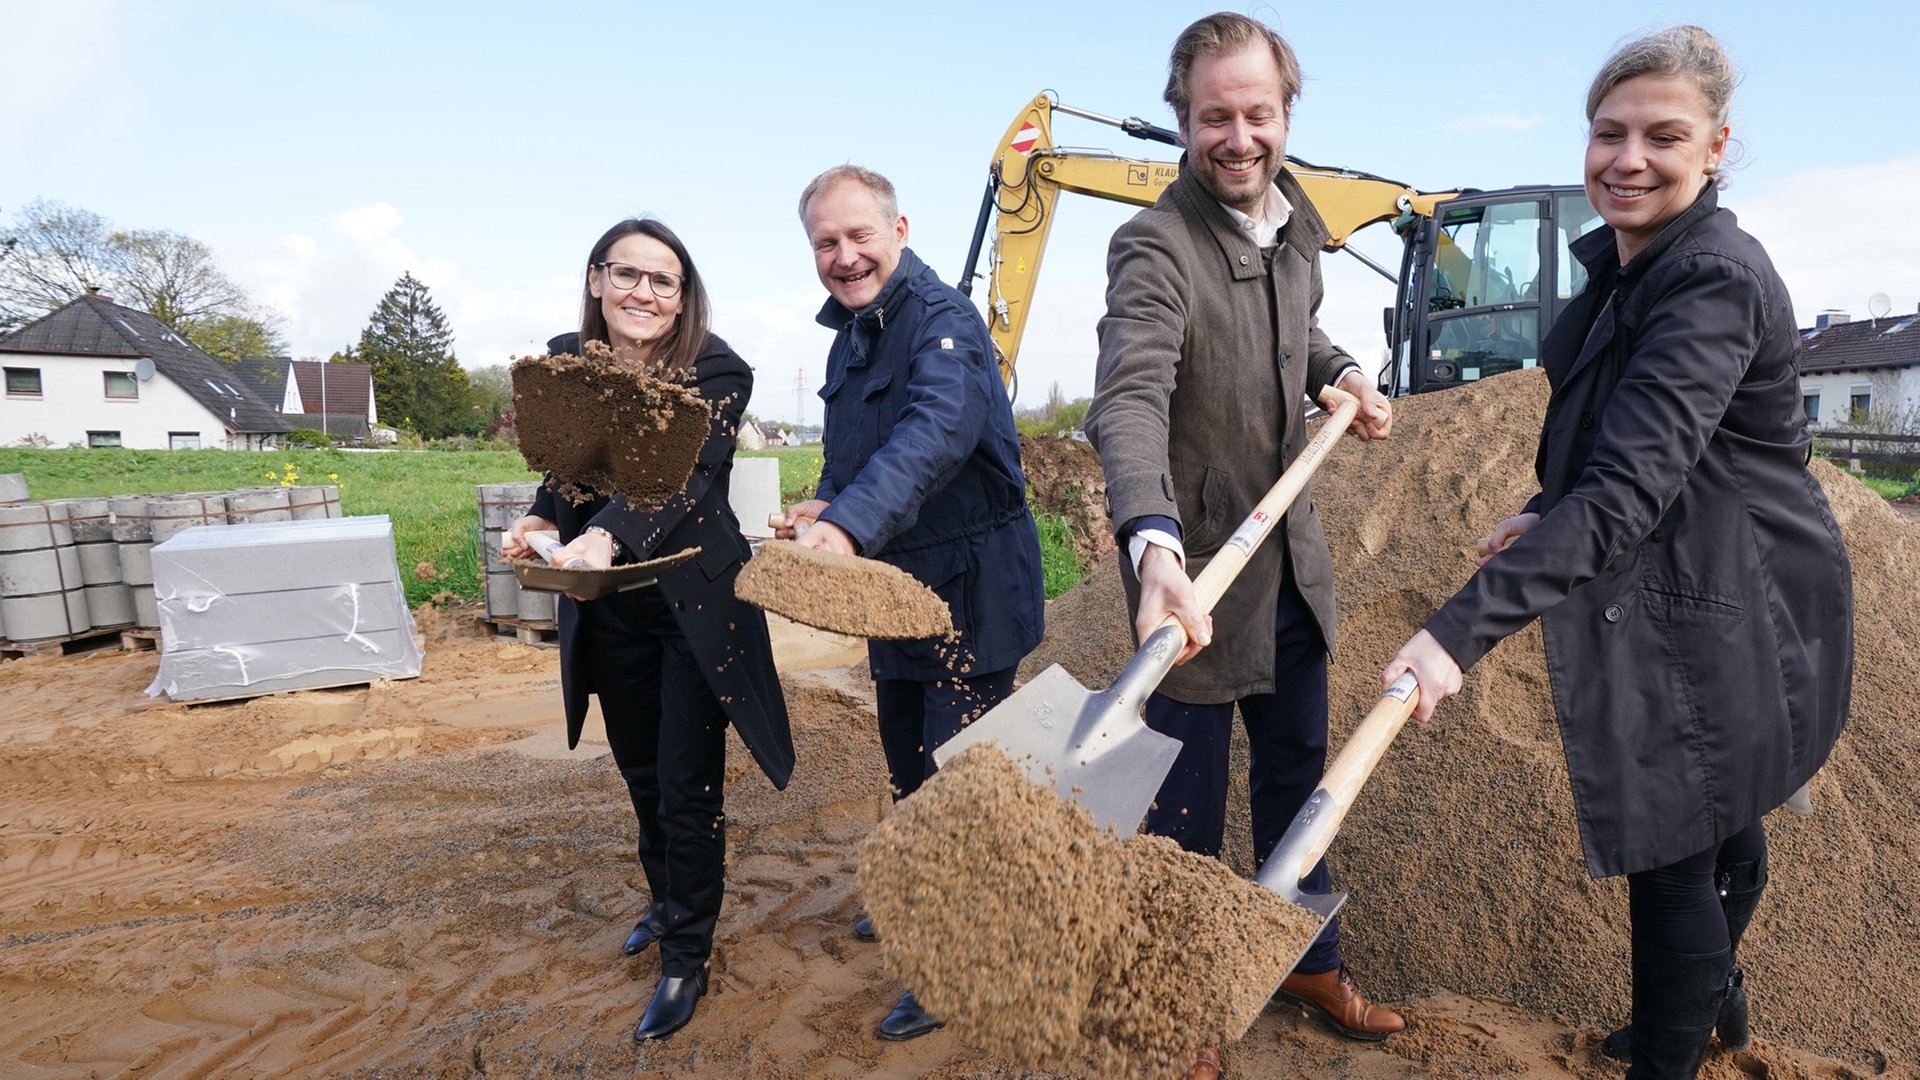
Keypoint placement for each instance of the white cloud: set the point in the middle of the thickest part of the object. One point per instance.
(327, 286)
(1839, 235)
(56, 49)
(1494, 121)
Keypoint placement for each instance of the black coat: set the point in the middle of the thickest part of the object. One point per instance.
(1690, 579)
(727, 635)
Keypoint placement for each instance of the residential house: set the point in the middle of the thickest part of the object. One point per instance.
(1864, 371)
(336, 399)
(96, 374)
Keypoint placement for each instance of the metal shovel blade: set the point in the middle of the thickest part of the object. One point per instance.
(1093, 747)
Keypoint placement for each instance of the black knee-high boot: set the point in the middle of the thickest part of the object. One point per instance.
(1740, 884)
(1740, 887)
(1676, 1001)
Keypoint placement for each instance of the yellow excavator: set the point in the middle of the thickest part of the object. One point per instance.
(1482, 273)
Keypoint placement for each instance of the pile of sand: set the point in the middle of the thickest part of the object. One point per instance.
(1461, 853)
(1046, 941)
(599, 423)
(842, 593)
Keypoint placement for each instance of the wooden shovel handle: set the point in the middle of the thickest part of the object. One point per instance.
(1313, 828)
(1227, 563)
(1349, 771)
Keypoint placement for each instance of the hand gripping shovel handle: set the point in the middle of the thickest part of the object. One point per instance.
(1313, 828)
(545, 544)
(1227, 563)
(778, 520)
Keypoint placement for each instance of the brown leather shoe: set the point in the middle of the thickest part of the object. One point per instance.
(1206, 1065)
(1333, 995)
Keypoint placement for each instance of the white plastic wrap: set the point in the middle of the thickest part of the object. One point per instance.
(262, 608)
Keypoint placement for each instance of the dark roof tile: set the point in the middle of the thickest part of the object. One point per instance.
(1861, 346)
(91, 326)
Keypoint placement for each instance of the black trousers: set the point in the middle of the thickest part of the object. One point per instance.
(668, 734)
(1677, 907)
(1287, 737)
(916, 717)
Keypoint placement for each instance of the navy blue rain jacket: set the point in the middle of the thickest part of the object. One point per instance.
(923, 470)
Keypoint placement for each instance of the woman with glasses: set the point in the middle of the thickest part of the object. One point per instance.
(675, 664)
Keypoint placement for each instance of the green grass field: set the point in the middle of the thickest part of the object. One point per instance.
(428, 494)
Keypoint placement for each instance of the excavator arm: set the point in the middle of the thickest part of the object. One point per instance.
(1028, 172)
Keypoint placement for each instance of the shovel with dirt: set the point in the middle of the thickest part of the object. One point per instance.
(582, 582)
(845, 594)
(1095, 747)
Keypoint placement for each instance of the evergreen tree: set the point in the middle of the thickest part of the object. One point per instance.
(417, 383)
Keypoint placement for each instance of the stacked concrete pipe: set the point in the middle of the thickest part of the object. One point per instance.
(109, 599)
(132, 531)
(42, 594)
(500, 505)
(255, 506)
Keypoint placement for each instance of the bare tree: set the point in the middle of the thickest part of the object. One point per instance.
(173, 277)
(54, 253)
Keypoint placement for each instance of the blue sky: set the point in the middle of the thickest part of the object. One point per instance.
(323, 147)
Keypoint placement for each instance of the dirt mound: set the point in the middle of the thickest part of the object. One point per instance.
(1064, 478)
(1462, 854)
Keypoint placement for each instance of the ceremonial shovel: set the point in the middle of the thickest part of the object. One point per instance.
(1095, 747)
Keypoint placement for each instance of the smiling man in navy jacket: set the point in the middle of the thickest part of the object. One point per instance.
(922, 471)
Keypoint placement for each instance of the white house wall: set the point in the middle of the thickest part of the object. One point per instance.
(73, 401)
(1895, 389)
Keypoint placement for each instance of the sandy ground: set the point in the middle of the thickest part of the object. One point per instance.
(417, 878)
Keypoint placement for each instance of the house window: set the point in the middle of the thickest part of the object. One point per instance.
(98, 439)
(183, 440)
(23, 382)
(1859, 404)
(122, 385)
(1812, 403)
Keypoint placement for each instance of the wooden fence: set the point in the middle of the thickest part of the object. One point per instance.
(1881, 455)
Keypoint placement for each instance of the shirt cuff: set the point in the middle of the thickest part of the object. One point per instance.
(1159, 531)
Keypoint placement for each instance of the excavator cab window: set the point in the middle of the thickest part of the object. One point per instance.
(1489, 254)
(1485, 343)
(1481, 281)
(1573, 217)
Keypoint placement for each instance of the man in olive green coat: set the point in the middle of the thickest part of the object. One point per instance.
(1208, 351)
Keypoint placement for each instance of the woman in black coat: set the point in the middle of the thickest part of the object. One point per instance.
(1690, 580)
(674, 664)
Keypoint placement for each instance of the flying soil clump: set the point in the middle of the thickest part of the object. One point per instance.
(1044, 940)
(602, 424)
(842, 593)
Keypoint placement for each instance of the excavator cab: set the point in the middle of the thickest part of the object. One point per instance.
(1481, 280)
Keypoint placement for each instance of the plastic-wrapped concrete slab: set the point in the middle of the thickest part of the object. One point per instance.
(267, 607)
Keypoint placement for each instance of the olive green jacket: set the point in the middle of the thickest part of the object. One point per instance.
(1207, 359)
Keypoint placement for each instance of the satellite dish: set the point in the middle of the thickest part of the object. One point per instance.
(1878, 305)
(143, 369)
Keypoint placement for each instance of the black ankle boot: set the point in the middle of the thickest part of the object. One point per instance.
(672, 1006)
(651, 928)
(908, 1020)
(1676, 1002)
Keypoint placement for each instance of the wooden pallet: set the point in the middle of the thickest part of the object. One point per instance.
(140, 639)
(73, 644)
(545, 635)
